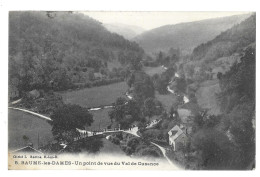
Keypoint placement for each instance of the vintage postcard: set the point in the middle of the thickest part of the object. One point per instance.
(131, 90)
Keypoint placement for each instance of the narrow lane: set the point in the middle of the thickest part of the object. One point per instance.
(134, 132)
(31, 112)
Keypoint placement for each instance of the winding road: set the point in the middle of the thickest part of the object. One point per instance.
(132, 131)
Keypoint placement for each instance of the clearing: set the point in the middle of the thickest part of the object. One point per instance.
(95, 96)
(167, 100)
(206, 96)
(154, 70)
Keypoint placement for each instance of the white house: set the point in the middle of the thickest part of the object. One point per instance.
(176, 137)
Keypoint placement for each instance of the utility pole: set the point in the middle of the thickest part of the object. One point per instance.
(38, 139)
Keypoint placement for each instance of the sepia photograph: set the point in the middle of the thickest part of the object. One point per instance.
(131, 90)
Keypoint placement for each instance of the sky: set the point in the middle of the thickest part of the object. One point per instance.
(150, 20)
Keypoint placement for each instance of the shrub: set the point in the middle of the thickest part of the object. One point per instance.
(115, 140)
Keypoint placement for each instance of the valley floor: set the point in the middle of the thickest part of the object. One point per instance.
(95, 96)
(29, 129)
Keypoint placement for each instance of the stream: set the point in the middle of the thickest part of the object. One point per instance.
(130, 97)
(110, 106)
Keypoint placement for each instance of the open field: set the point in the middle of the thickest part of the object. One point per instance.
(113, 64)
(24, 128)
(154, 70)
(206, 96)
(101, 119)
(166, 100)
(95, 96)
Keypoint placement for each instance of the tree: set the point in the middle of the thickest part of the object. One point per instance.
(149, 107)
(164, 115)
(135, 61)
(130, 80)
(150, 153)
(60, 79)
(212, 121)
(118, 111)
(174, 113)
(243, 133)
(217, 152)
(160, 57)
(152, 107)
(133, 143)
(175, 55)
(125, 112)
(238, 103)
(67, 118)
(26, 139)
(161, 82)
(143, 90)
(143, 87)
(91, 145)
(181, 85)
(160, 85)
(219, 75)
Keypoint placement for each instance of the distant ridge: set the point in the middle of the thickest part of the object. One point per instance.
(127, 31)
(186, 35)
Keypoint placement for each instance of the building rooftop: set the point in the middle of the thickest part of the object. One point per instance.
(27, 149)
(175, 132)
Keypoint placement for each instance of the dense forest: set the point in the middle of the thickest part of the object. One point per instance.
(59, 50)
(227, 141)
(237, 100)
(227, 42)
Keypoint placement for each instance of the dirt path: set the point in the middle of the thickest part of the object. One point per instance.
(33, 113)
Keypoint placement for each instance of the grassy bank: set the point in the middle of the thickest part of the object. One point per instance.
(101, 119)
(206, 96)
(167, 100)
(111, 148)
(24, 128)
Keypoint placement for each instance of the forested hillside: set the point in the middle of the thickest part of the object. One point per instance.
(219, 54)
(229, 61)
(237, 100)
(60, 49)
(185, 36)
(228, 140)
(227, 42)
